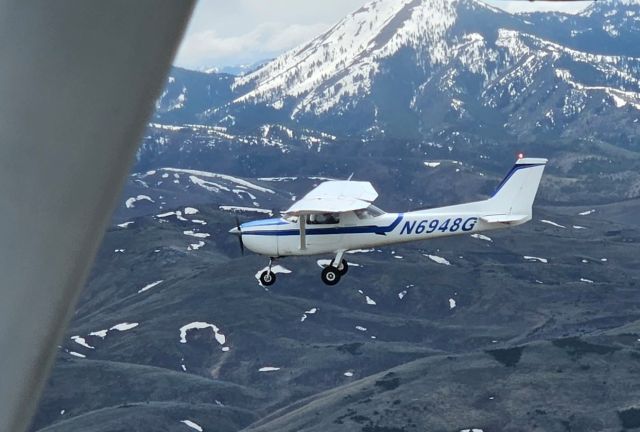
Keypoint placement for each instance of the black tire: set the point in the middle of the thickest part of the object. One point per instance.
(267, 278)
(343, 268)
(330, 275)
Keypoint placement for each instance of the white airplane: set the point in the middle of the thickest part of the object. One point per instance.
(338, 216)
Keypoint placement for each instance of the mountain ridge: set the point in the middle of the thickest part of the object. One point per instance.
(547, 84)
(344, 85)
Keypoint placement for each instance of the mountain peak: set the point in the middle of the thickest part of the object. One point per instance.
(399, 65)
(348, 54)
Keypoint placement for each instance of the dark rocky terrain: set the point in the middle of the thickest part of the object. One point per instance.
(527, 345)
(531, 329)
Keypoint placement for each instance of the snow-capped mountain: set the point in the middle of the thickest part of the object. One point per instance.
(417, 55)
(414, 56)
(444, 79)
(342, 63)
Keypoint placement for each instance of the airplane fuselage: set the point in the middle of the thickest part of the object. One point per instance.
(280, 237)
(337, 216)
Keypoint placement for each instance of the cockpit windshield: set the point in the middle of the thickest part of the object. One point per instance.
(369, 213)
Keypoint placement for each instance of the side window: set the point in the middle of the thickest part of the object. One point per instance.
(369, 213)
(332, 218)
(323, 219)
(362, 214)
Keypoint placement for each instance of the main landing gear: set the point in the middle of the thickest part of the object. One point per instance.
(268, 277)
(331, 274)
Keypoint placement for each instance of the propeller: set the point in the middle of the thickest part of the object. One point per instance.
(238, 231)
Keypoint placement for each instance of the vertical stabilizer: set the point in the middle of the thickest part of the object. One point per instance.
(516, 192)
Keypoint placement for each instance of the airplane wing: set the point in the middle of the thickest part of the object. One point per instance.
(82, 78)
(335, 196)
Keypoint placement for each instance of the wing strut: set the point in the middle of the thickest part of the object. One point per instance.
(303, 234)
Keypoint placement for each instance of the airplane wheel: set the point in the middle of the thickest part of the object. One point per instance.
(330, 275)
(343, 268)
(267, 278)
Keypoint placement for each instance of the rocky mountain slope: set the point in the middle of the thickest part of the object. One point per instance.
(498, 332)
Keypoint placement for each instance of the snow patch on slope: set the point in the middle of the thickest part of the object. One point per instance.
(192, 425)
(131, 202)
(198, 325)
(149, 286)
(438, 259)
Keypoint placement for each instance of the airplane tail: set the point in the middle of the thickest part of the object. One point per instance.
(516, 192)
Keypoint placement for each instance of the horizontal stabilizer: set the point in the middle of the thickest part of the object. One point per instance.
(504, 218)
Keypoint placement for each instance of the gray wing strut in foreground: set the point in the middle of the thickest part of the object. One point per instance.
(78, 80)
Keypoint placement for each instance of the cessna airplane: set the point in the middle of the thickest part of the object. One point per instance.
(338, 216)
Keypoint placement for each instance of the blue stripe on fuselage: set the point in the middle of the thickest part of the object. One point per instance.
(374, 229)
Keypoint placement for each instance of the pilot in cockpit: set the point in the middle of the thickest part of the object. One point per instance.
(323, 218)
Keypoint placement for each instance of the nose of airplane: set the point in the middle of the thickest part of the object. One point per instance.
(234, 231)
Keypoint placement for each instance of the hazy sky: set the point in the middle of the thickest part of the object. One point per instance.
(225, 33)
